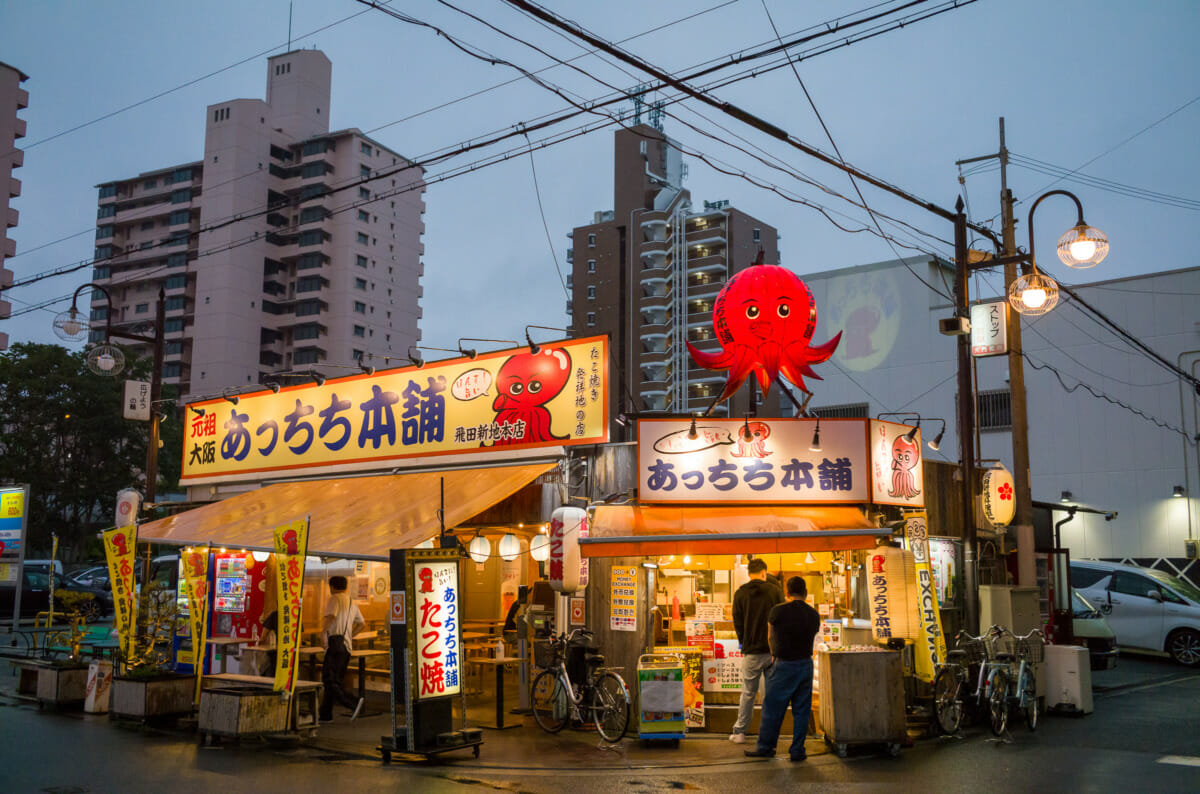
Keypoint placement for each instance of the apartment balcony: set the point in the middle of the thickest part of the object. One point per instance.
(707, 263)
(710, 237)
(699, 319)
(653, 388)
(13, 216)
(654, 247)
(654, 302)
(654, 329)
(17, 158)
(654, 357)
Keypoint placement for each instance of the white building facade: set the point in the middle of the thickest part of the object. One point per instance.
(1108, 424)
(287, 248)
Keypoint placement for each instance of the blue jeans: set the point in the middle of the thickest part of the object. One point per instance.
(788, 682)
(754, 665)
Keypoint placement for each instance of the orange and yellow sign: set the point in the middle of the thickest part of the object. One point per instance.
(120, 549)
(511, 399)
(291, 545)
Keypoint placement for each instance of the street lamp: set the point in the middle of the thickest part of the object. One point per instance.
(1080, 247)
(107, 360)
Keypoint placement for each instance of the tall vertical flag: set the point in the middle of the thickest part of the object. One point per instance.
(291, 546)
(120, 548)
(195, 583)
(930, 650)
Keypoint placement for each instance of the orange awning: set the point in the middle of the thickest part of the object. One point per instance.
(362, 517)
(649, 530)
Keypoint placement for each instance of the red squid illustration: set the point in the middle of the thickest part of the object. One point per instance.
(525, 383)
(905, 457)
(765, 317)
(756, 447)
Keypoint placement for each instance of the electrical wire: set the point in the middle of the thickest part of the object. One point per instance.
(546, 226)
(1075, 175)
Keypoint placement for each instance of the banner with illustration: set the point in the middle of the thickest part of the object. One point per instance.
(291, 546)
(693, 677)
(554, 395)
(195, 589)
(120, 549)
(930, 646)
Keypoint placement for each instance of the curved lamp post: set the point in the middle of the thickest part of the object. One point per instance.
(1082, 246)
(107, 360)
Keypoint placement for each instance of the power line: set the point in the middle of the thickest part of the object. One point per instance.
(1074, 175)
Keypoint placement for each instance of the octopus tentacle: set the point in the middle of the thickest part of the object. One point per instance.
(722, 359)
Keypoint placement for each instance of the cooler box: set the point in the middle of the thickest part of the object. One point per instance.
(1068, 676)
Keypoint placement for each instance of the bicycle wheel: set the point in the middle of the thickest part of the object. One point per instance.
(1030, 698)
(998, 700)
(610, 707)
(551, 704)
(947, 706)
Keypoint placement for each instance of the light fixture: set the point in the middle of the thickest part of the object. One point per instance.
(104, 359)
(1082, 246)
(815, 446)
(480, 549)
(273, 386)
(1178, 492)
(471, 353)
(1033, 294)
(261, 556)
(69, 325)
(650, 565)
(1066, 496)
(911, 435)
(539, 548)
(936, 443)
(809, 559)
(317, 377)
(366, 367)
(687, 560)
(196, 411)
(746, 436)
(510, 547)
(692, 434)
(415, 358)
(230, 399)
(534, 348)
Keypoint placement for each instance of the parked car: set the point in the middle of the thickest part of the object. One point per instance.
(35, 596)
(1145, 607)
(93, 576)
(1093, 632)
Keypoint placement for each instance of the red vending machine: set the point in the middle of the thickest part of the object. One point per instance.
(239, 594)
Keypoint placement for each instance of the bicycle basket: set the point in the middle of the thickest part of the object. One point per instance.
(1031, 649)
(545, 655)
(976, 650)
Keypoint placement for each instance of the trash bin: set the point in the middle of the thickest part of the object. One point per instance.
(99, 687)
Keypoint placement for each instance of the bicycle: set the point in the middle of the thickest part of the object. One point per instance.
(556, 699)
(991, 682)
(1023, 652)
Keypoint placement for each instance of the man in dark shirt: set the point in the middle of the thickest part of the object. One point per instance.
(792, 628)
(752, 603)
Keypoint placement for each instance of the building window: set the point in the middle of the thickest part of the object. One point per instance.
(308, 283)
(757, 235)
(364, 171)
(308, 307)
(360, 260)
(364, 216)
(314, 147)
(178, 238)
(177, 217)
(311, 237)
(181, 196)
(360, 283)
(173, 348)
(101, 273)
(591, 292)
(150, 184)
(107, 211)
(311, 214)
(145, 245)
(108, 191)
(178, 281)
(104, 232)
(176, 303)
(994, 409)
(306, 357)
(307, 331)
(591, 319)
(172, 369)
(360, 307)
(363, 239)
(176, 260)
(364, 193)
(591, 241)
(141, 308)
(365, 148)
(185, 174)
(591, 266)
(358, 355)
(173, 325)
(309, 170)
(310, 260)
(360, 331)
(312, 191)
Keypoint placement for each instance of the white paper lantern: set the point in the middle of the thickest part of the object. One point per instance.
(480, 549)
(539, 548)
(568, 570)
(510, 547)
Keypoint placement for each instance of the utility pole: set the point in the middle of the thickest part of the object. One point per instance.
(1023, 520)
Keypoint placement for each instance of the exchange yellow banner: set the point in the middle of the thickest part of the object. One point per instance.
(120, 549)
(512, 399)
(291, 546)
(195, 583)
(930, 646)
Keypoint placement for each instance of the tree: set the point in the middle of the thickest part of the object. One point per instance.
(63, 433)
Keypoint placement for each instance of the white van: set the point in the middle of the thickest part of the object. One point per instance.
(1145, 607)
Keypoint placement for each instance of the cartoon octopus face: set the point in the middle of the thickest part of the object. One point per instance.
(905, 457)
(904, 453)
(530, 379)
(765, 317)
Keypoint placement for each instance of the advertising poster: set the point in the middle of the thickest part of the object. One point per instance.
(12, 530)
(699, 634)
(930, 647)
(623, 599)
(693, 676)
(120, 548)
(437, 630)
(723, 669)
(291, 546)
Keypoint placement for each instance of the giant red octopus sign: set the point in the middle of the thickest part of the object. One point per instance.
(765, 317)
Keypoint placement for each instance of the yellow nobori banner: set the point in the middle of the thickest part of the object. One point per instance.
(291, 547)
(512, 399)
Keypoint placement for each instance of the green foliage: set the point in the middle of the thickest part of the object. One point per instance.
(63, 433)
(158, 620)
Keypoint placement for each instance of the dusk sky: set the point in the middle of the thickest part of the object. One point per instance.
(1110, 88)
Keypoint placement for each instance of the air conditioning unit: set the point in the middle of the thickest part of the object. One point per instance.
(1191, 548)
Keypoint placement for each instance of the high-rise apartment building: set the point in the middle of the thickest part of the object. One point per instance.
(287, 248)
(12, 99)
(647, 273)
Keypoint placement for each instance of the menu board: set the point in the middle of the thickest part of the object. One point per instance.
(723, 668)
(623, 599)
(437, 631)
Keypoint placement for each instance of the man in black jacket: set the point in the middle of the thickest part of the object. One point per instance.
(752, 603)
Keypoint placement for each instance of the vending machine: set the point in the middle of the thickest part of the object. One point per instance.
(239, 597)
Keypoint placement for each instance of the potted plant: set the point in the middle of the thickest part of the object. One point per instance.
(148, 686)
(63, 682)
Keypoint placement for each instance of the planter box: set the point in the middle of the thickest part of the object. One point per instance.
(247, 710)
(62, 685)
(861, 700)
(143, 698)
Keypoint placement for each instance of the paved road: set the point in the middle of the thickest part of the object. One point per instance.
(1150, 712)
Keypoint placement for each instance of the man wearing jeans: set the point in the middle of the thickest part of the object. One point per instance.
(752, 603)
(793, 627)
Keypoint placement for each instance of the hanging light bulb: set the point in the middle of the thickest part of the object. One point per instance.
(687, 560)
(1082, 247)
(510, 547)
(480, 549)
(539, 548)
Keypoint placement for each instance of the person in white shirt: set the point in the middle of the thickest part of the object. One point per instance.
(342, 621)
